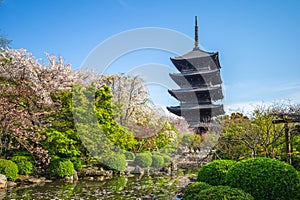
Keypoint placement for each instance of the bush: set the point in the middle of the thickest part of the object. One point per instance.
(129, 155)
(60, 168)
(167, 159)
(24, 164)
(223, 192)
(77, 163)
(9, 169)
(192, 190)
(265, 178)
(115, 162)
(143, 160)
(158, 161)
(214, 173)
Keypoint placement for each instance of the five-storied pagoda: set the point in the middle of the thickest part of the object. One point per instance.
(200, 87)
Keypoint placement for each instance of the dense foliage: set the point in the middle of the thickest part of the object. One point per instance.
(257, 135)
(143, 159)
(214, 173)
(24, 163)
(265, 178)
(158, 161)
(129, 155)
(115, 162)
(60, 168)
(76, 162)
(223, 192)
(192, 190)
(167, 159)
(47, 111)
(9, 169)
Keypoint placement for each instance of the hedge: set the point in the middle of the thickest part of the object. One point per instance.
(265, 178)
(9, 169)
(129, 155)
(143, 160)
(158, 161)
(24, 164)
(115, 162)
(192, 190)
(60, 168)
(223, 192)
(214, 173)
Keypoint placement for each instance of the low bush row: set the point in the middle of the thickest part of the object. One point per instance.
(255, 178)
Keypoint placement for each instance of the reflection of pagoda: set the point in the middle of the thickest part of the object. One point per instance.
(200, 86)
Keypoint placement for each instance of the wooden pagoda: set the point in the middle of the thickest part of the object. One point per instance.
(200, 87)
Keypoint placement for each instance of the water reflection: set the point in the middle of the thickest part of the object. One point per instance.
(144, 187)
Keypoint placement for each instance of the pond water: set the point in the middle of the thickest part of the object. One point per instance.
(119, 187)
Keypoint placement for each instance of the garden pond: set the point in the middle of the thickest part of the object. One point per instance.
(119, 187)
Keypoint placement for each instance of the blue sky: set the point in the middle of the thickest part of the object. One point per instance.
(258, 41)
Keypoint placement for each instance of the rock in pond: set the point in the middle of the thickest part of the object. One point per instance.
(3, 181)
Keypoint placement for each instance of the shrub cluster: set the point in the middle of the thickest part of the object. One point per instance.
(254, 178)
(60, 168)
(115, 162)
(265, 178)
(24, 163)
(143, 159)
(9, 169)
(77, 163)
(214, 173)
(158, 161)
(129, 155)
(192, 190)
(223, 192)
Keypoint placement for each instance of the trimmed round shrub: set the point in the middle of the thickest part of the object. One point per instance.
(77, 163)
(9, 169)
(192, 190)
(60, 168)
(167, 159)
(129, 155)
(265, 178)
(115, 162)
(24, 164)
(158, 161)
(214, 173)
(223, 192)
(143, 160)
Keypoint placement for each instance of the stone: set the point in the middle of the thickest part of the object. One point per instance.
(91, 172)
(2, 193)
(167, 170)
(69, 179)
(75, 176)
(34, 180)
(173, 166)
(138, 170)
(11, 184)
(183, 182)
(3, 181)
(109, 173)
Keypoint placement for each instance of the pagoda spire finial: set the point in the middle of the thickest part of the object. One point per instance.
(196, 35)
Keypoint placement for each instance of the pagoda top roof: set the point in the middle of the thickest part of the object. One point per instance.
(195, 53)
